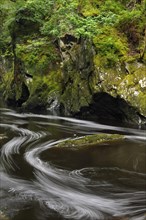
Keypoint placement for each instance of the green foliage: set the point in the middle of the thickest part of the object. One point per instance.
(107, 18)
(65, 16)
(132, 24)
(63, 19)
(66, 19)
(89, 19)
(7, 16)
(35, 11)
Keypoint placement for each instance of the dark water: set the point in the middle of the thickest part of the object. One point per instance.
(39, 181)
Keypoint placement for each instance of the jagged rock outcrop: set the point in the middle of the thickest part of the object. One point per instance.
(93, 76)
(77, 69)
(95, 92)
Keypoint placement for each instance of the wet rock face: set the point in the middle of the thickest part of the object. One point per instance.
(77, 69)
(71, 79)
(95, 92)
(17, 91)
(127, 86)
(12, 100)
(133, 89)
(100, 73)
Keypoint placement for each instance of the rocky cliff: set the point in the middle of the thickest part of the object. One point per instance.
(99, 73)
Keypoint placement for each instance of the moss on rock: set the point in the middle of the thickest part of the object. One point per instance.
(90, 140)
(103, 54)
(77, 69)
(133, 89)
(75, 94)
(41, 89)
(39, 55)
(126, 81)
(111, 46)
(6, 80)
(88, 8)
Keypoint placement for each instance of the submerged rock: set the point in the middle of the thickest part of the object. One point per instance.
(100, 150)
(86, 151)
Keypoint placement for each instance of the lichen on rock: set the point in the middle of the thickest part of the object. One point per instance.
(133, 89)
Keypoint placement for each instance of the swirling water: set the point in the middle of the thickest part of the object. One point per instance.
(39, 181)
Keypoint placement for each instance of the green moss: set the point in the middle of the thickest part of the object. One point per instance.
(41, 89)
(141, 103)
(140, 71)
(115, 30)
(111, 47)
(39, 55)
(133, 89)
(127, 81)
(9, 89)
(90, 140)
(6, 80)
(88, 8)
(106, 79)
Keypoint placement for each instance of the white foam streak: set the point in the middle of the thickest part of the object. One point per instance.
(67, 193)
(10, 148)
(23, 136)
(73, 202)
(83, 125)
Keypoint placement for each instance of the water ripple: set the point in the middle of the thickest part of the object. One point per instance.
(90, 193)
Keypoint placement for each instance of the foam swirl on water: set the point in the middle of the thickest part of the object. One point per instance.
(93, 193)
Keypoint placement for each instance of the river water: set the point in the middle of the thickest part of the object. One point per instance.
(40, 181)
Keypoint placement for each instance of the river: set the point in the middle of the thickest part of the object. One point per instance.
(39, 181)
